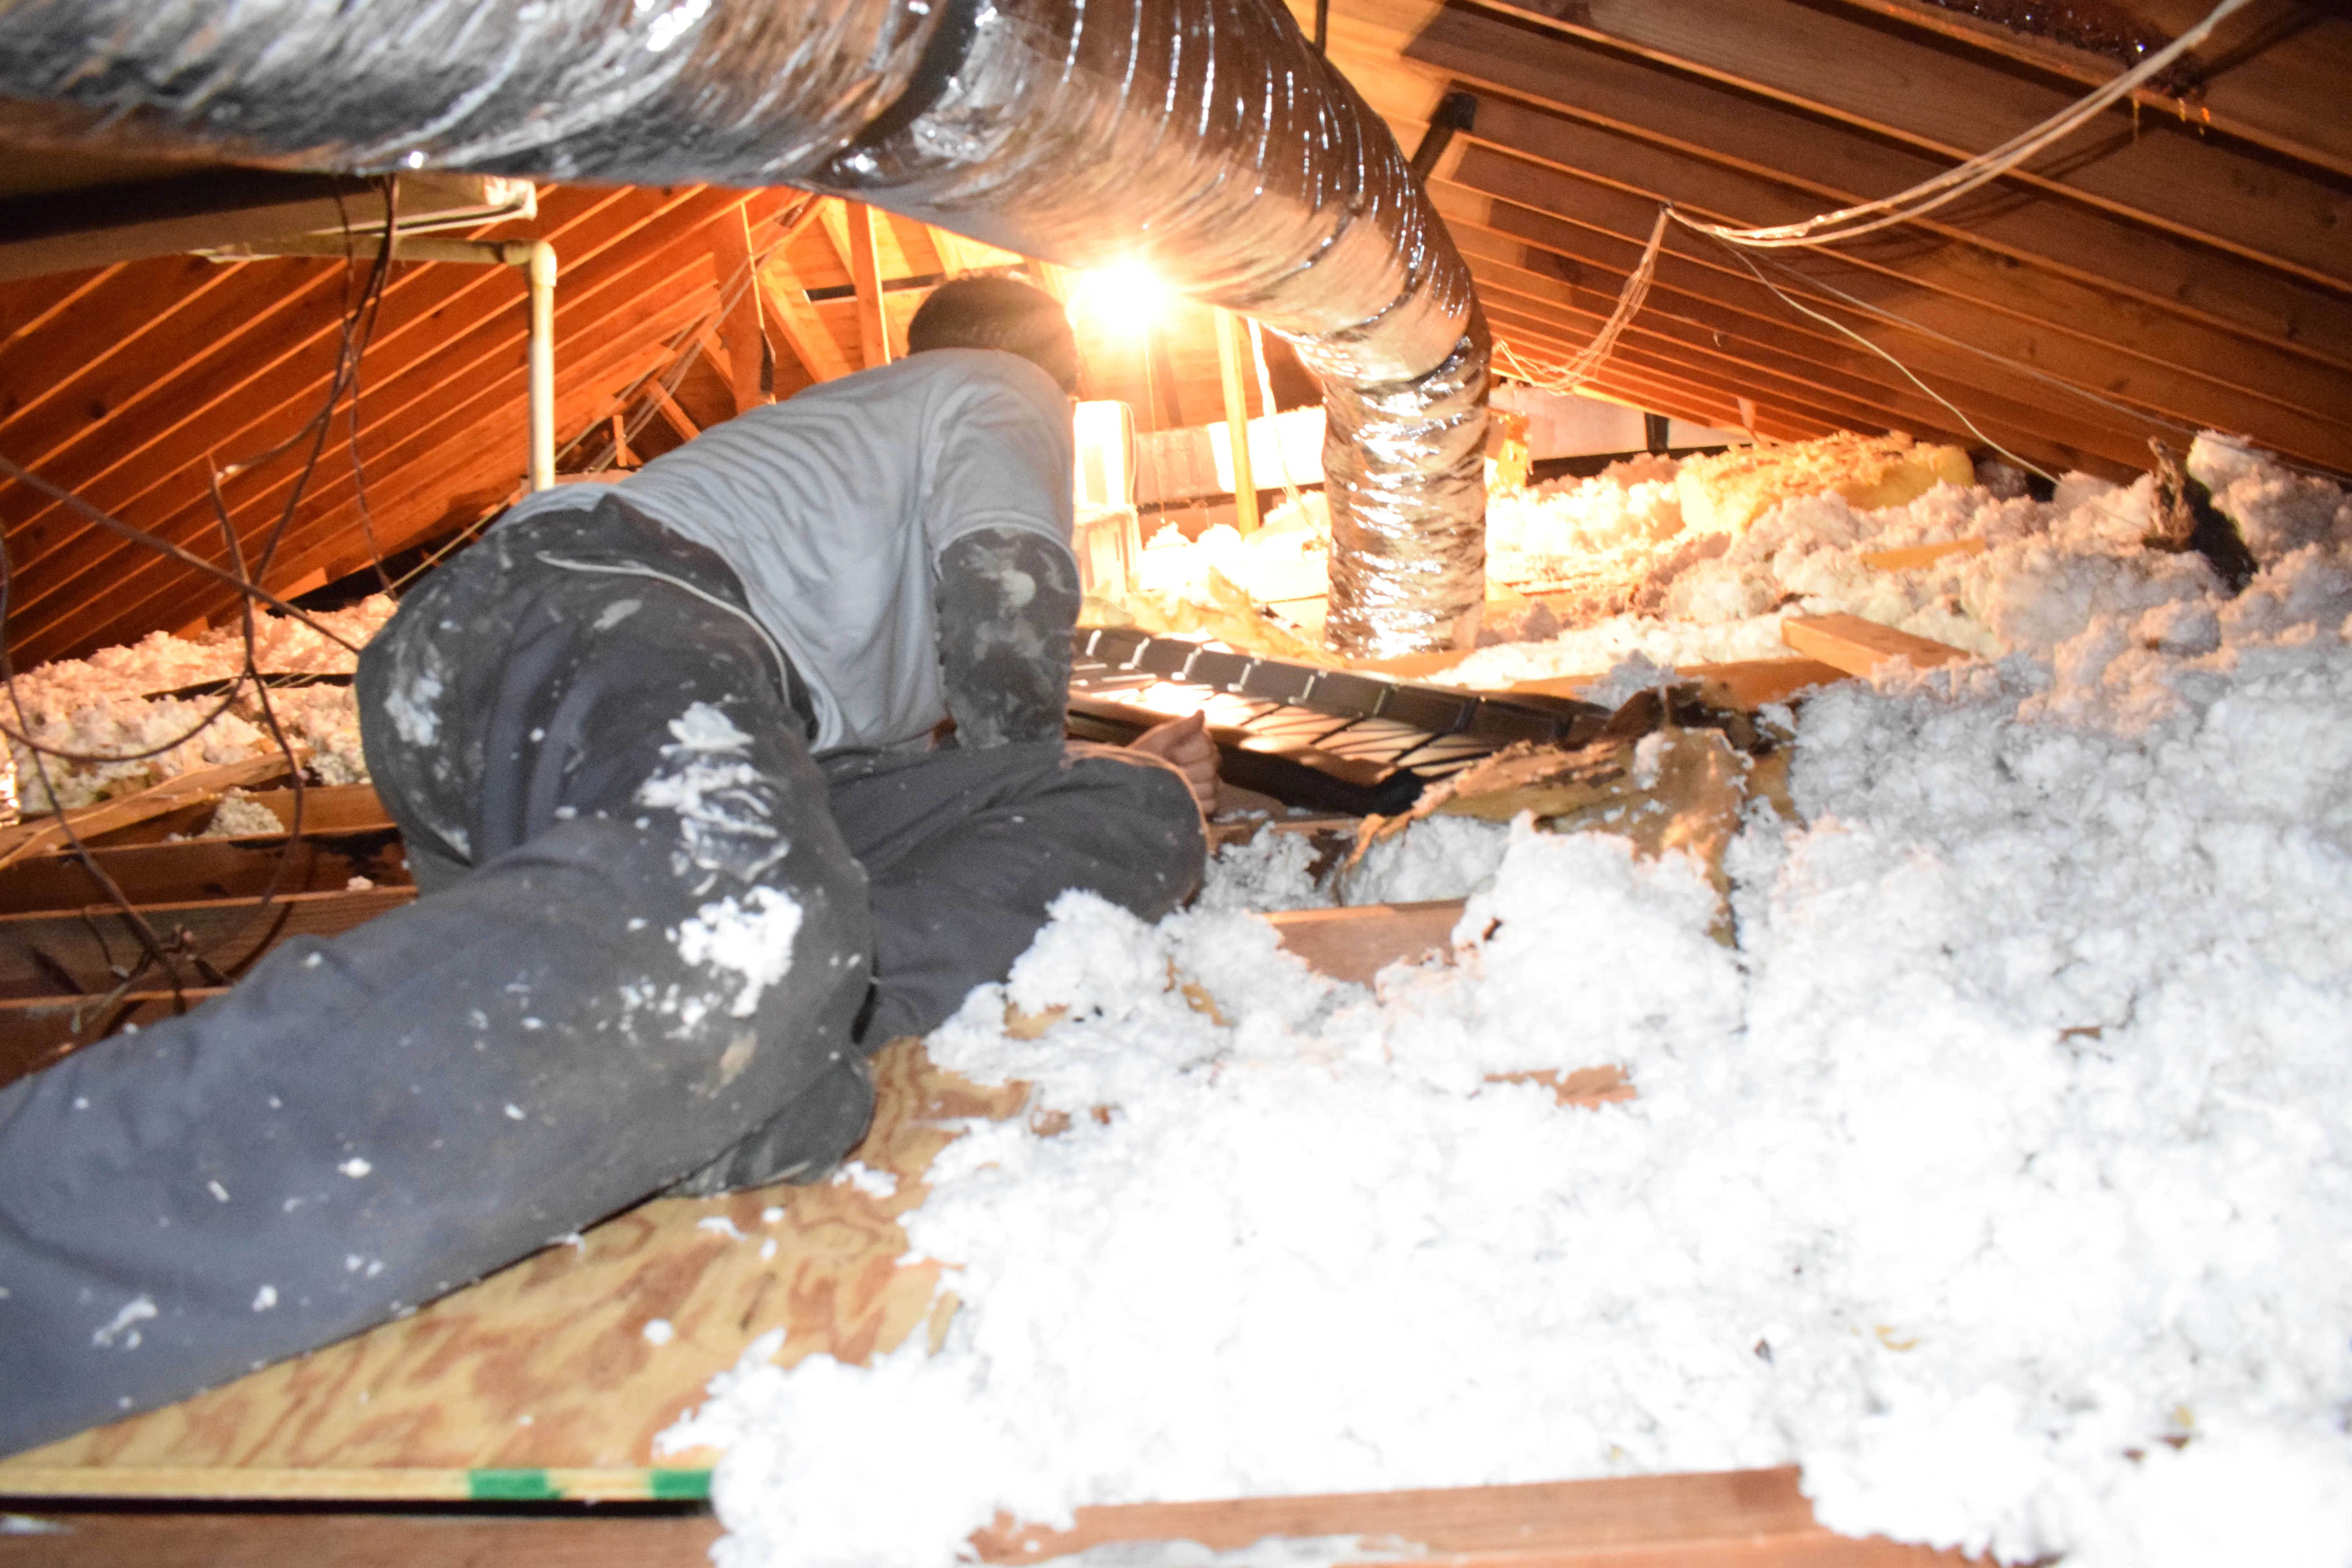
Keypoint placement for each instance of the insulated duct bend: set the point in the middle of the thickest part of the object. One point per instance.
(1205, 137)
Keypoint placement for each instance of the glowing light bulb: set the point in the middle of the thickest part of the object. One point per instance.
(1126, 296)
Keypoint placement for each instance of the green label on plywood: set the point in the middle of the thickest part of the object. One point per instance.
(678, 1486)
(511, 1486)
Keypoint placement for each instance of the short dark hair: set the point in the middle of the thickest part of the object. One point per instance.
(999, 313)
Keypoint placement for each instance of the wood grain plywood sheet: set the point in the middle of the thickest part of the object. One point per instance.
(539, 1381)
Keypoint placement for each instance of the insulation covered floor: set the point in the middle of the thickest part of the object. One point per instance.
(1997, 1175)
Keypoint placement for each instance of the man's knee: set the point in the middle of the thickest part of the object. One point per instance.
(1150, 799)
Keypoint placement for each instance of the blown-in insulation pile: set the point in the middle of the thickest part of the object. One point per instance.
(107, 706)
(2028, 575)
(1999, 1172)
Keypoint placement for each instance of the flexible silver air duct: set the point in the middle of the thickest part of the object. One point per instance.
(1204, 137)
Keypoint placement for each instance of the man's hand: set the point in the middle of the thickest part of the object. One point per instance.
(1185, 744)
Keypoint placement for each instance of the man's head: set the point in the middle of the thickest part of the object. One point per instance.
(999, 313)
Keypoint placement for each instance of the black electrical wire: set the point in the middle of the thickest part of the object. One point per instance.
(358, 327)
(359, 467)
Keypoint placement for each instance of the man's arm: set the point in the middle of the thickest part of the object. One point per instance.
(1007, 600)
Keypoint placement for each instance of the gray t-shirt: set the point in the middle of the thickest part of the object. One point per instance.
(833, 505)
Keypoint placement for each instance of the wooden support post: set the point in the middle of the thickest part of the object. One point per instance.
(1230, 349)
(738, 326)
(866, 277)
(796, 319)
(676, 419)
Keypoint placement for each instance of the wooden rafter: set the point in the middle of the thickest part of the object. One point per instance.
(2000, 321)
(2246, 86)
(1953, 104)
(735, 269)
(1795, 164)
(866, 277)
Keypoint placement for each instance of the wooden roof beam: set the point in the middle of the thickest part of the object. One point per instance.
(1729, 312)
(735, 276)
(1819, 164)
(1978, 317)
(474, 386)
(1952, 103)
(1671, 390)
(2257, 76)
(461, 461)
(423, 304)
(178, 493)
(1606, 181)
(1871, 383)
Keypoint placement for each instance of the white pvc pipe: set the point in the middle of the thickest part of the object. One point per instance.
(536, 256)
(543, 364)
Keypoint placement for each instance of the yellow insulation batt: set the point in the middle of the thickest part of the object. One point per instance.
(1724, 494)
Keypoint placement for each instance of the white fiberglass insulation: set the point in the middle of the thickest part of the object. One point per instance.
(2000, 1176)
(2046, 568)
(102, 706)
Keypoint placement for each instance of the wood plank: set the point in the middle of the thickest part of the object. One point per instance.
(1583, 269)
(306, 1540)
(90, 946)
(545, 1365)
(155, 479)
(37, 1032)
(1744, 684)
(789, 307)
(1720, 382)
(1915, 555)
(735, 270)
(960, 255)
(28, 304)
(1607, 223)
(1820, 406)
(326, 809)
(680, 423)
(1232, 342)
(1660, 384)
(415, 355)
(866, 277)
(1356, 945)
(41, 834)
(198, 868)
(450, 425)
(2055, 439)
(1666, 1521)
(80, 353)
(1695, 303)
(1758, 362)
(1516, 1524)
(1862, 647)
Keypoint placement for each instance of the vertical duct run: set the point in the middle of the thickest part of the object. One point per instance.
(1206, 137)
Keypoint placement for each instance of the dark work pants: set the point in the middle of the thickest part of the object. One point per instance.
(564, 1024)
